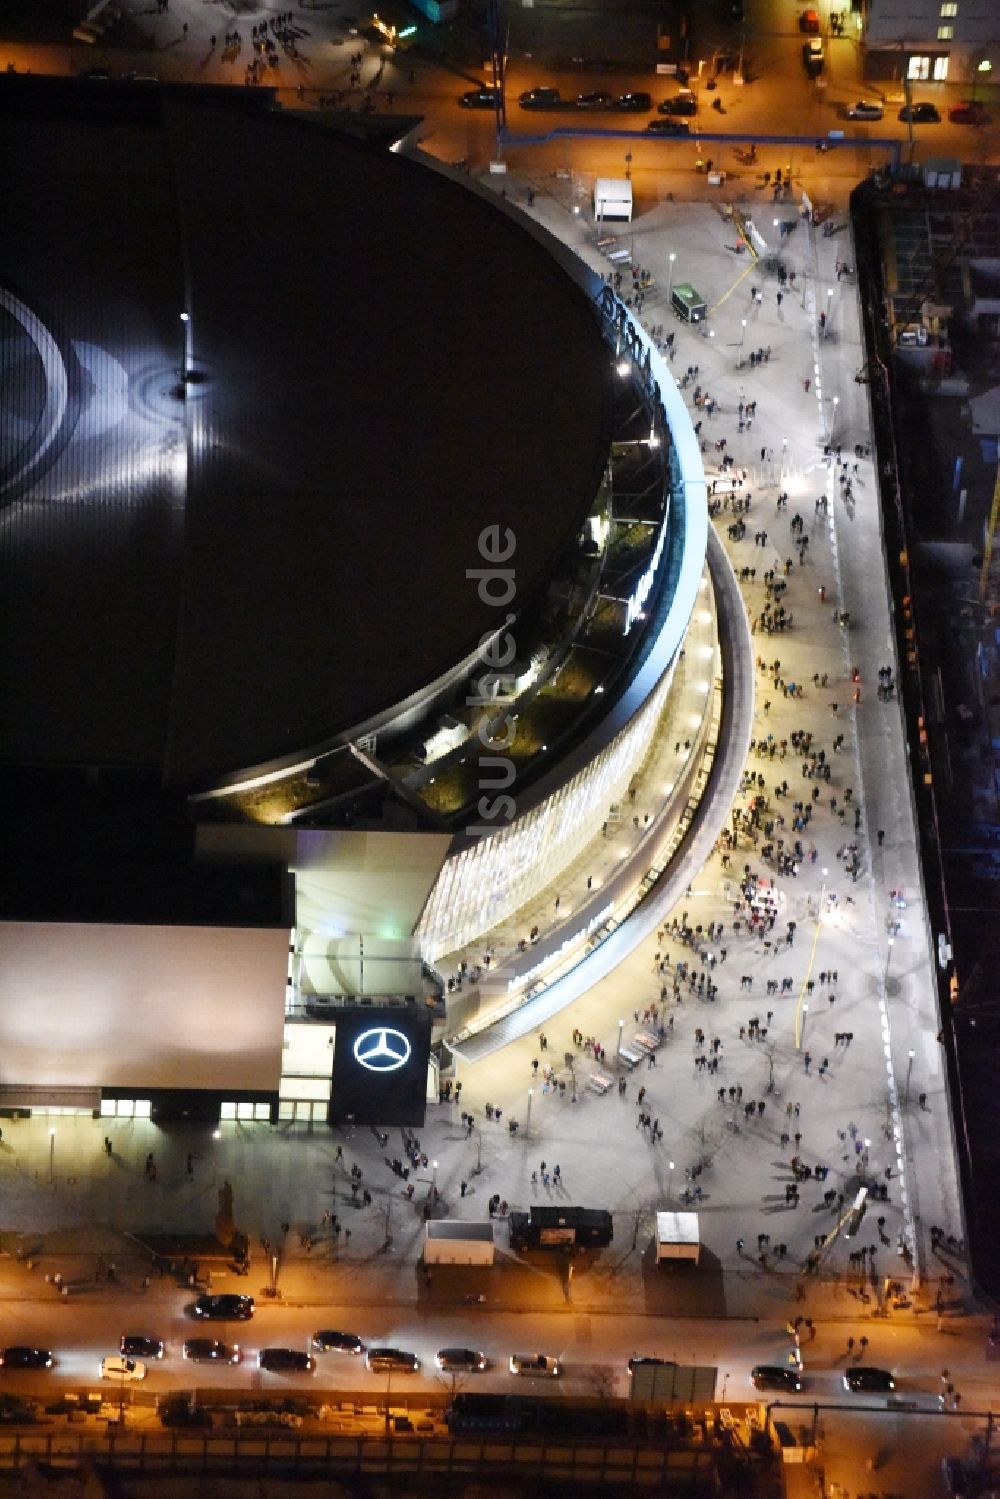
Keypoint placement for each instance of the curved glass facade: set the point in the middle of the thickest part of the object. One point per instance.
(482, 885)
(486, 881)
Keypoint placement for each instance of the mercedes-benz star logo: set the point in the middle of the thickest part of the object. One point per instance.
(382, 1050)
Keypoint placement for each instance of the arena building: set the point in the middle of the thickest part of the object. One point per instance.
(352, 533)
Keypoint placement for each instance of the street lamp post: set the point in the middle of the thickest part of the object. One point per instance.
(52, 1157)
(527, 1117)
(833, 421)
(743, 334)
(888, 960)
(670, 275)
(909, 1069)
(621, 1036)
(829, 303)
(434, 1176)
(670, 1180)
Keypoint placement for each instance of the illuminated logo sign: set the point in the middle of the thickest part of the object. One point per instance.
(382, 1050)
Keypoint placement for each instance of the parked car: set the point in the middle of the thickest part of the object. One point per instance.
(126, 1369)
(228, 1307)
(285, 1361)
(813, 57)
(967, 113)
(480, 98)
(641, 1362)
(681, 103)
(541, 98)
(809, 22)
(19, 1357)
(865, 109)
(392, 1361)
(775, 1377)
(326, 1341)
(211, 1351)
(133, 1346)
(677, 128)
(638, 103)
(920, 114)
(543, 1365)
(596, 100)
(868, 1379)
(467, 1359)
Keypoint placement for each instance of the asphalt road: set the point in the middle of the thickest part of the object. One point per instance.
(593, 1349)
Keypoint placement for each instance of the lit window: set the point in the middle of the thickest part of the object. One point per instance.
(948, 11)
(940, 69)
(945, 33)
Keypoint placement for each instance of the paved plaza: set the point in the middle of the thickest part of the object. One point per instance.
(853, 1103)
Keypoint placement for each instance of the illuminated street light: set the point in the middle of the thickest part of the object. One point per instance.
(909, 1069)
(833, 422)
(743, 334)
(527, 1120)
(670, 273)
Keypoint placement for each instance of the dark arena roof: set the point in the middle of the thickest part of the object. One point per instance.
(201, 576)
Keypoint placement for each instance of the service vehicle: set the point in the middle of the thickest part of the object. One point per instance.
(865, 109)
(561, 1228)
